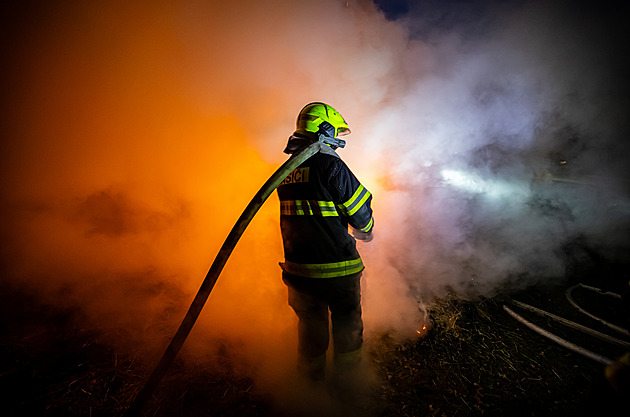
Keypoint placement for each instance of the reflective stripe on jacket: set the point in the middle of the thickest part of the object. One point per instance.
(317, 203)
(329, 270)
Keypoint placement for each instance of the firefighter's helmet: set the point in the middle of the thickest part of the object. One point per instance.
(314, 114)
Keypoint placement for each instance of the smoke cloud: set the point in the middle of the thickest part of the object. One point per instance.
(491, 134)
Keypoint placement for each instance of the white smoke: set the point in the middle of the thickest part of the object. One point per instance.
(505, 146)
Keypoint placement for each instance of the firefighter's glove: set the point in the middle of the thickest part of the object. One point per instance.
(359, 235)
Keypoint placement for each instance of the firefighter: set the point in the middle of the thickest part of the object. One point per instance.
(322, 267)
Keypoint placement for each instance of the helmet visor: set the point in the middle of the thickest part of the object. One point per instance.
(343, 131)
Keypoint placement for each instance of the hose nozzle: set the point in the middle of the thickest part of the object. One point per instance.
(331, 141)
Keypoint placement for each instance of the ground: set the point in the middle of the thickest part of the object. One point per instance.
(476, 360)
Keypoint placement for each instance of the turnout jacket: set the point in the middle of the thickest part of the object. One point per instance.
(318, 201)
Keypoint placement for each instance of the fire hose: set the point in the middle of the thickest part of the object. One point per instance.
(572, 346)
(578, 349)
(577, 326)
(217, 266)
(568, 294)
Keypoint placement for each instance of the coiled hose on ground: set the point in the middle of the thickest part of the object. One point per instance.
(572, 346)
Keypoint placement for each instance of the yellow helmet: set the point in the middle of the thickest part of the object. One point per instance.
(314, 114)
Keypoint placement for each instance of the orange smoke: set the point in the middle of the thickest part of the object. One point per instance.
(137, 133)
(121, 187)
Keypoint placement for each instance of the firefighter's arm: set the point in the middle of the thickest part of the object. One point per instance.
(355, 204)
(360, 229)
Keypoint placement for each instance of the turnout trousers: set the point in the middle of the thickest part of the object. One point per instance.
(312, 299)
